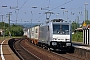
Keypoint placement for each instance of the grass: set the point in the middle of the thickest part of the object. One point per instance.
(2, 38)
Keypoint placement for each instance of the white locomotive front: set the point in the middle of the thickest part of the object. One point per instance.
(56, 35)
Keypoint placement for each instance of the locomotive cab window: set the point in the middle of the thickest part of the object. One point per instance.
(60, 29)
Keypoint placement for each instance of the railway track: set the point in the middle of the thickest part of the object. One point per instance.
(26, 50)
(22, 53)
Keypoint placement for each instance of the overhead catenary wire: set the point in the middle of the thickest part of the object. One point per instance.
(18, 9)
(61, 5)
(58, 6)
(23, 4)
(48, 6)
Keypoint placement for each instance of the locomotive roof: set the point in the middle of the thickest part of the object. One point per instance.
(57, 20)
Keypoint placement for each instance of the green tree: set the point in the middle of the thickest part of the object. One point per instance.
(78, 36)
(74, 25)
(16, 30)
(86, 21)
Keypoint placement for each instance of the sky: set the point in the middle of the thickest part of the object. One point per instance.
(23, 11)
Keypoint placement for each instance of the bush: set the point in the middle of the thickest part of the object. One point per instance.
(78, 36)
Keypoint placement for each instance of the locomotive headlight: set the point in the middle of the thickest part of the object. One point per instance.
(54, 43)
(54, 38)
(68, 44)
(67, 39)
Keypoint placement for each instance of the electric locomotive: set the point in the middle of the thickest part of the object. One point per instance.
(55, 35)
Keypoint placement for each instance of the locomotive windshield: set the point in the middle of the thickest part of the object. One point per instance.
(60, 29)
